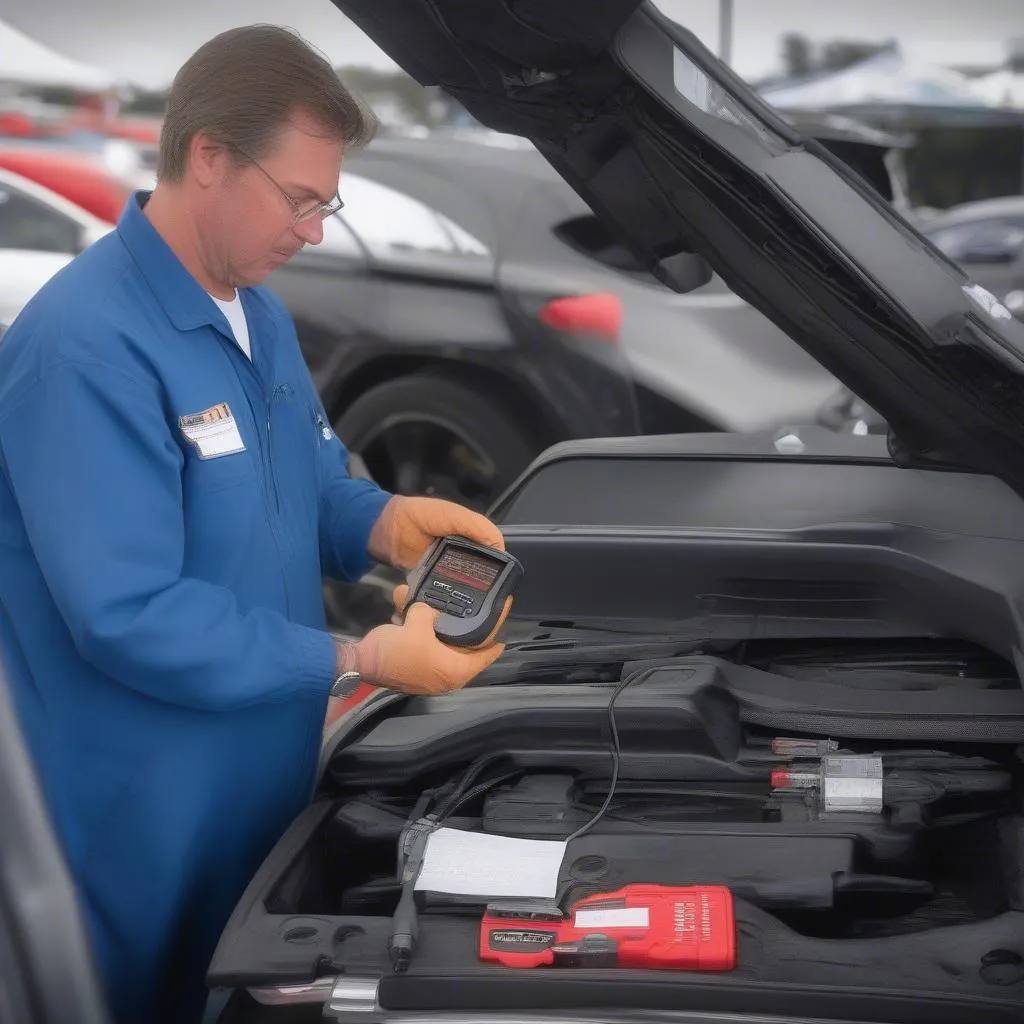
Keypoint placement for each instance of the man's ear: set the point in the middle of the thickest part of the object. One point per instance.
(207, 159)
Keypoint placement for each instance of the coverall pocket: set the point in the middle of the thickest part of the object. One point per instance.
(209, 476)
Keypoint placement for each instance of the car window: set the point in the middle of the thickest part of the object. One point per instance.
(390, 223)
(28, 223)
(996, 236)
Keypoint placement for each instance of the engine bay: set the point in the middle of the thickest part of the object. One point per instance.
(870, 871)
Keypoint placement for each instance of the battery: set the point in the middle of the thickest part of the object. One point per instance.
(682, 928)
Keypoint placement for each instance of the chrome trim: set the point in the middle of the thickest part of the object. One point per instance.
(343, 996)
(592, 1017)
(352, 995)
(318, 991)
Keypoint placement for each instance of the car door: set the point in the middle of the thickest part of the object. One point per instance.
(332, 297)
(47, 975)
(28, 223)
(36, 240)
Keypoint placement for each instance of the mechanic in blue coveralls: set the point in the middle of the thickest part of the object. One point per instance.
(170, 496)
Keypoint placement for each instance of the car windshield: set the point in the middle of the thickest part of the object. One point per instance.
(390, 222)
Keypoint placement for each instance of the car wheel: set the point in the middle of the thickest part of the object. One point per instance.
(426, 434)
(422, 434)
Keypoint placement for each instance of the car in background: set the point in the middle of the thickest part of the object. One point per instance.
(40, 232)
(83, 175)
(704, 360)
(986, 238)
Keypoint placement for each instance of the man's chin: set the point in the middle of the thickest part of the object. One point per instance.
(256, 274)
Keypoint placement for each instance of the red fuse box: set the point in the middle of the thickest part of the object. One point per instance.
(679, 928)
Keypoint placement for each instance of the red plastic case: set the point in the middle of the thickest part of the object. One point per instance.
(682, 928)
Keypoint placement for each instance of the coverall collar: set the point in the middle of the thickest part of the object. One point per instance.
(180, 295)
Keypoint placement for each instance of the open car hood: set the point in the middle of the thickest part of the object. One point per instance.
(678, 156)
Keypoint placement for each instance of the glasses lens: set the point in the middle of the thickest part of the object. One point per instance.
(321, 210)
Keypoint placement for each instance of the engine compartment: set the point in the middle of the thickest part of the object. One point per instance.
(871, 873)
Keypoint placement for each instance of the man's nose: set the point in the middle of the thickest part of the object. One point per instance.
(310, 231)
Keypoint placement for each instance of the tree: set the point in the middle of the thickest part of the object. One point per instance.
(797, 55)
(842, 53)
(800, 56)
(396, 87)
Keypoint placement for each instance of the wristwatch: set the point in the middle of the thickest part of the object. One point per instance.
(347, 682)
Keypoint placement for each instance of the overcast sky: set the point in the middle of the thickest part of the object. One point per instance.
(145, 41)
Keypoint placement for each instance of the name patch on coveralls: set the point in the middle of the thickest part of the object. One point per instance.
(212, 433)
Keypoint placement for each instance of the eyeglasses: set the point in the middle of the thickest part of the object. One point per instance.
(300, 211)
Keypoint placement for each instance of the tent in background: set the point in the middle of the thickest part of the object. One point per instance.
(23, 61)
(1003, 88)
(888, 88)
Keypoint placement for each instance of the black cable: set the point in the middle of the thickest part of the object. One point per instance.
(471, 774)
(616, 752)
(478, 790)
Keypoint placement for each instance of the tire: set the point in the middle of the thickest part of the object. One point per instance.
(404, 422)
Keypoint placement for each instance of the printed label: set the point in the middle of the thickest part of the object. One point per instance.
(625, 917)
(213, 432)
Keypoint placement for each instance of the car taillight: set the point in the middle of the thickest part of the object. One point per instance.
(598, 315)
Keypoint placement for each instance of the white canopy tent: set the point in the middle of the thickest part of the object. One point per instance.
(886, 79)
(1001, 89)
(23, 61)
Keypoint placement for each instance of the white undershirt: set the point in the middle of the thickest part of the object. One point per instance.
(232, 309)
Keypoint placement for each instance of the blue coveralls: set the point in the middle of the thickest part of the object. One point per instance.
(160, 612)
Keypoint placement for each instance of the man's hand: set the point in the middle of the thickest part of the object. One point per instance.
(409, 657)
(408, 526)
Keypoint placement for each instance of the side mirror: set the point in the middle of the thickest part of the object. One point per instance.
(684, 272)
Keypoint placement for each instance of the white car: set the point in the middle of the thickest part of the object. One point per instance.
(40, 232)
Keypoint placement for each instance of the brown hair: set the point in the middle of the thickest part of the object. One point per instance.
(242, 86)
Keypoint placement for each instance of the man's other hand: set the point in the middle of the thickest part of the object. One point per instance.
(409, 657)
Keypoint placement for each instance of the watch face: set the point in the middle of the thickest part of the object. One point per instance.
(346, 685)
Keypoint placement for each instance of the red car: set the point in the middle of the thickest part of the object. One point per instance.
(77, 176)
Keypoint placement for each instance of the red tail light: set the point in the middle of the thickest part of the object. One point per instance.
(598, 315)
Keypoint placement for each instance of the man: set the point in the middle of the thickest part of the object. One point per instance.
(170, 494)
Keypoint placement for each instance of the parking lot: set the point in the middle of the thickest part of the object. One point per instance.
(511, 511)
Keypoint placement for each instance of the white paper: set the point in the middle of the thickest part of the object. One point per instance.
(494, 867)
(616, 917)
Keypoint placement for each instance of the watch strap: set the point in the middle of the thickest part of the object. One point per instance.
(347, 682)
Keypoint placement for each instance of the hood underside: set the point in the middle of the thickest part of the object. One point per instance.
(679, 157)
